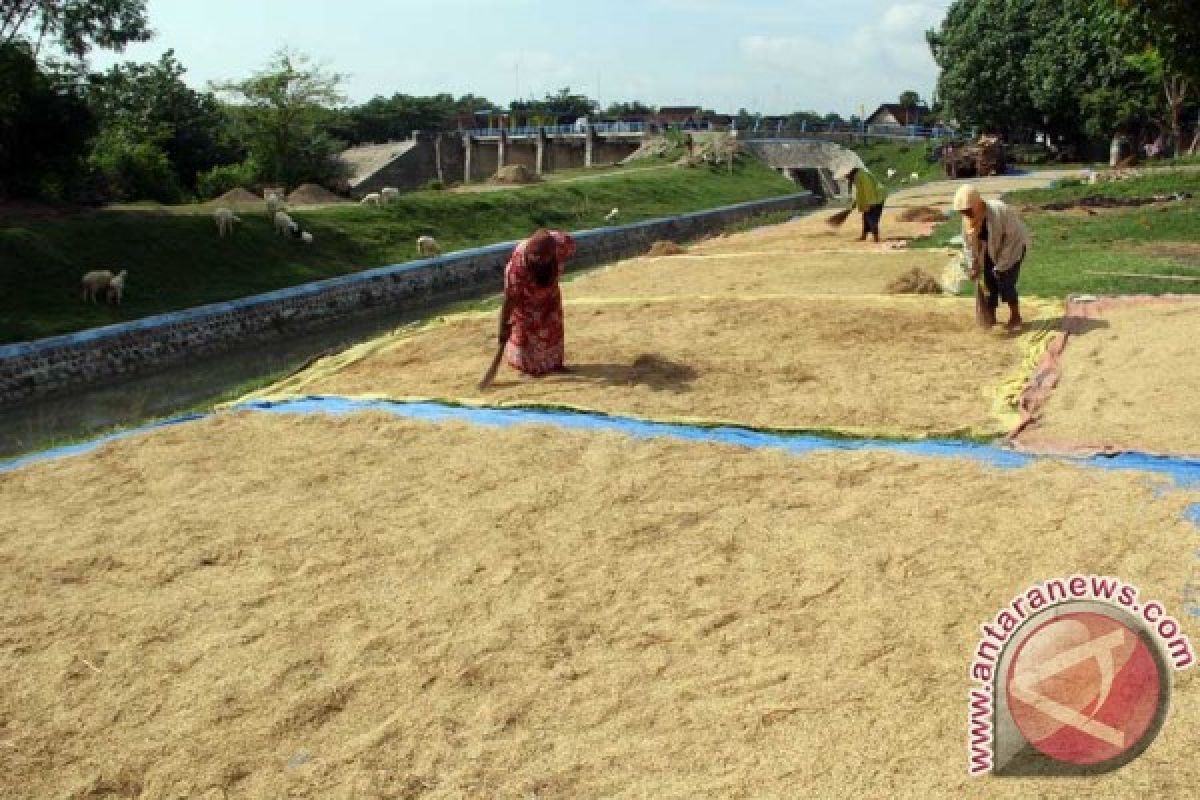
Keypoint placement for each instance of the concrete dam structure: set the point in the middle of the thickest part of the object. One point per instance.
(472, 158)
(813, 163)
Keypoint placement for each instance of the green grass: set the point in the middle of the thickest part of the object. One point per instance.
(175, 260)
(1067, 247)
(903, 157)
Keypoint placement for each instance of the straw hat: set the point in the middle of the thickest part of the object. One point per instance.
(967, 197)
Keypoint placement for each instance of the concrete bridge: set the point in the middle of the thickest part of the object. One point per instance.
(474, 156)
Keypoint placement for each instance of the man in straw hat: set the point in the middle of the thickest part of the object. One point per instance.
(869, 196)
(994, 241)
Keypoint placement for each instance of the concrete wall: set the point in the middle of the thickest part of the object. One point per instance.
(59, 364)
(418, 166)
(802, 153)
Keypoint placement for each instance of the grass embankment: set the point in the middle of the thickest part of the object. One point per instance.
(175, 260)
(906, 158)
(1070, 246)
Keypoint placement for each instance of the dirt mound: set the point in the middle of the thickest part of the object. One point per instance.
(310, 194)
(664, 247)
(238, 197)
(915, 281)
(922, 214)
(515, 174)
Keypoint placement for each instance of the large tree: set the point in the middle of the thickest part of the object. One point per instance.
(981, 47)
(1163, 39)
(74, 25)
(44, 126)
(287, 110)
(150, 103)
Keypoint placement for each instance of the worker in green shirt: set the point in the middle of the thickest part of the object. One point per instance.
(869, 196)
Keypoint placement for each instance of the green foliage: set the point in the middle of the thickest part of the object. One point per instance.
(130, 167)
(75, 25)
(285, 114)
(629, 109)
(44, 127)
(219, 180)
(383, 119)
(909, 99)
(561, 104)
(151, 102)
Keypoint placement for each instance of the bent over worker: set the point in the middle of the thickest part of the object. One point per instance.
(869, 196)
(531, 320)
(995, 241)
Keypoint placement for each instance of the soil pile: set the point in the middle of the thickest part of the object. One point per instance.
(665, 247)
(310, 194)
(515, 174)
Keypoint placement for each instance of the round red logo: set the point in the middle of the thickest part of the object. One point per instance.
(1084, 688)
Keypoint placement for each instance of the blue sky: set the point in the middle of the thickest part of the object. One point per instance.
(767, 55)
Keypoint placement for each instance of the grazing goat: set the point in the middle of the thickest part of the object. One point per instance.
(914, 177)
(386, 196)
(891, 173)
(372, 199)
(116, 288)
(102, 280)
(224, 217)
(274, 202)
(284, 224)
(610, 216)
(427, 247)
(306, 237)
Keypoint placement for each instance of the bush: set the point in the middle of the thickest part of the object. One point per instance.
(133, 170)
(219, 180)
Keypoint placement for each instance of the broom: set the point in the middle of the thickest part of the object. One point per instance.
(837, 219)
(490, 375)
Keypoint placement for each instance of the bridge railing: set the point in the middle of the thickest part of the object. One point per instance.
(559, 130)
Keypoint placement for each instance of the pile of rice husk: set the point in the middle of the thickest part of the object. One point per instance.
(238, 197)
(665, 247)
(516, 174)
(362, 606)
(922, 214)
(310, 194)
(915, 281)
(793, 362)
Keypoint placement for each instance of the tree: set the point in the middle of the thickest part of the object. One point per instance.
(44, 126)
(557, 105)
(76, 25)
(635, 108)
(151, 103)
(286, 112)
(909, 99)
(1162, 38)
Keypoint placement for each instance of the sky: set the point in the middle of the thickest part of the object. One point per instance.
(772, 56)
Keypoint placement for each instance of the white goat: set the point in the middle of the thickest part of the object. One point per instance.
(891, 173)
(372, 199)
(610, 216)
(306, 237)
(274, 202)
(284, 224)
(224, 217)
(116, 288)
(914, 177)
(427, 247)
(101, 280)
(389, 194)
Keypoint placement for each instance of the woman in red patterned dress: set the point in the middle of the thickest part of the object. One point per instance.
(531, 321)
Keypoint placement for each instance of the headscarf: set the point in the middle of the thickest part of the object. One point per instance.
(541, 256)
(968, 197)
